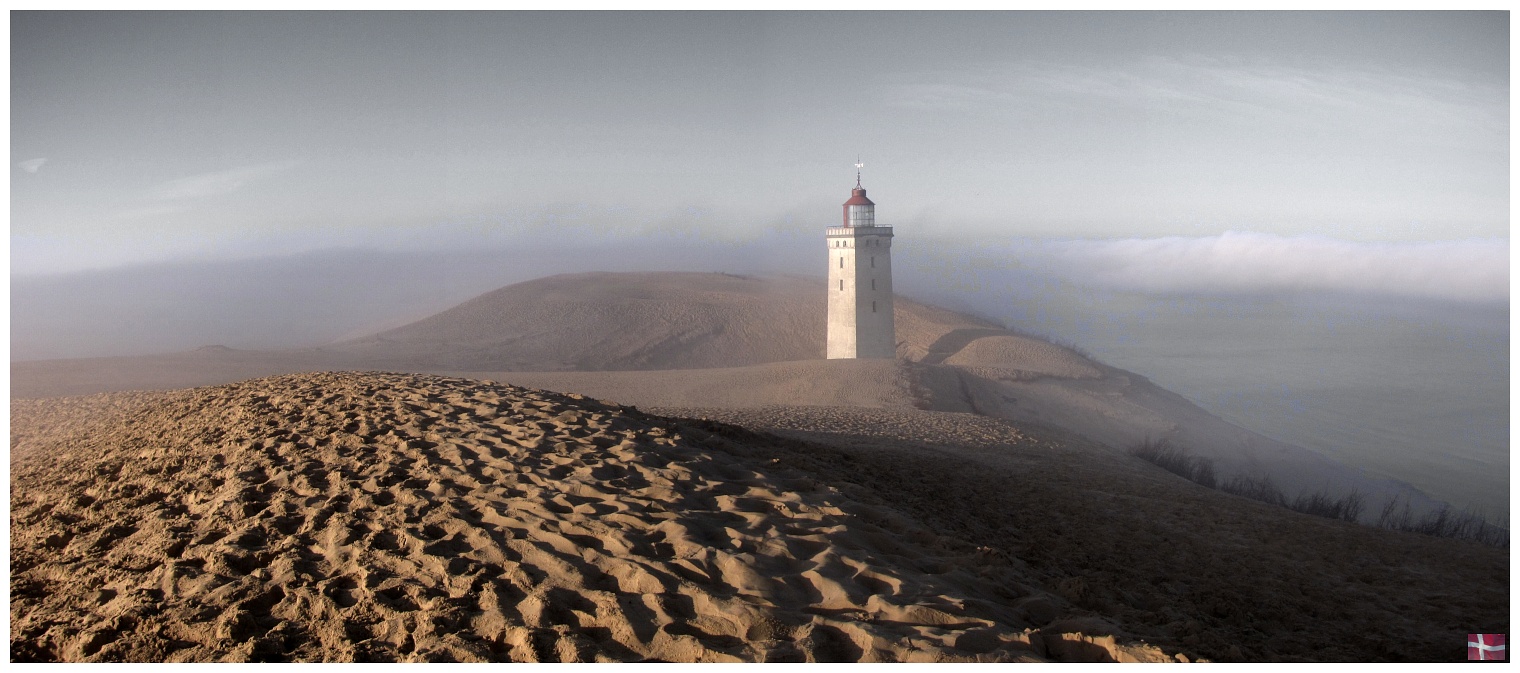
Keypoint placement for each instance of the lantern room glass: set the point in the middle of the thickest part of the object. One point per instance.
(862, 216)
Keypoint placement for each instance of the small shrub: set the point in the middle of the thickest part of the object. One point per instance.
(1256, 488)
(1320, 503)
(1203, 472)
(1394, 517)
(1177, 461)
(1465, 525)
(1352, 506)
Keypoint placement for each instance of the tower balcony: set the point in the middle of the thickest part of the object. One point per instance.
(878, 230)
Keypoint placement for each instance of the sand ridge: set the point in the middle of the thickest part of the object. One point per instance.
(359, 517)
(1021, 358)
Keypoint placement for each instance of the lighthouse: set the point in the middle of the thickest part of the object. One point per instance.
(860, 282)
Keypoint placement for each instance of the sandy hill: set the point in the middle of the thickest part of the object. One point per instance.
(709, 339)
(361, 516)
(600, 321)
(643, 321)
(716, 340)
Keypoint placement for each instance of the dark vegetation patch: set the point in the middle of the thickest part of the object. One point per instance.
(1177, 461)
(1395, 515)
(1467, 524)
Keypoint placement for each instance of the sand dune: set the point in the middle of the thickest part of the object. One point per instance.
(1006, 355)
(603, 321)
(382, 517)
(643, 321)
(706, 340)
(356, 516)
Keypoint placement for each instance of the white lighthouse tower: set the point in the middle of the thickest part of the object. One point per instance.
(860, 282)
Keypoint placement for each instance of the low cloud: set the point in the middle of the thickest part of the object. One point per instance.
(218, 183)
(1251, 263)
(33, 165)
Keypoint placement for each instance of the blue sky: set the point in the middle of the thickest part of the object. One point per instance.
(151, 137)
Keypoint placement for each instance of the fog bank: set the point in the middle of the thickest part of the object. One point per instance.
(1244, 263)
(312, 298)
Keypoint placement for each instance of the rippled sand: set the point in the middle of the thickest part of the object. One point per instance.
(338, 517)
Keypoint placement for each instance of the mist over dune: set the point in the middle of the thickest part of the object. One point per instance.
(1474, 270)
(1282, 354)
(288, 301)
(751, 341)
(309, 299)
(1281, 335)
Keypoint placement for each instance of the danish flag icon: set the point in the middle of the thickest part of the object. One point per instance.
(1485, 647)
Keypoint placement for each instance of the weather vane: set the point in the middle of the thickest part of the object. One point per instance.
(858, 166)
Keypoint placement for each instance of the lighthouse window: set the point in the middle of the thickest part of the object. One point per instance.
(873, 283)
(841, 262)
(841, 285)
(873, 307)
(873, 261)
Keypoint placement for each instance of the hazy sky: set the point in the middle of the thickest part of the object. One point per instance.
(142, 137)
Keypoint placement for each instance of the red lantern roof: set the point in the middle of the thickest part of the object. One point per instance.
(858, 198)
